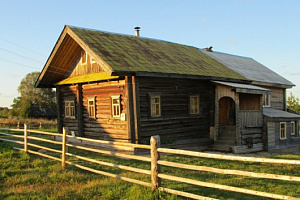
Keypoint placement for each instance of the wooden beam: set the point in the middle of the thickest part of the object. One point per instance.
(136, 105)
(130, 109)
(80, 110)
(59, 109)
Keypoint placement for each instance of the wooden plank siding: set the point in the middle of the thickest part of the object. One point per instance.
(175, 125)
(278, 97)
(77, 68)
(105, 126)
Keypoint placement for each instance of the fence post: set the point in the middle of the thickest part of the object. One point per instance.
(155, 167)
(64, 148)
(25, 138)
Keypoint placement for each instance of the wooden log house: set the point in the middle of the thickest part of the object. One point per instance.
(128, 88)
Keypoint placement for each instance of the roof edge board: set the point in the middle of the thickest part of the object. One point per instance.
(51, 56)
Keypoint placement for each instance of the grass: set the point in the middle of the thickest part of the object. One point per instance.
(26, 176)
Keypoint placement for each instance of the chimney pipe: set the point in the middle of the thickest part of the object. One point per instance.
(137, 31)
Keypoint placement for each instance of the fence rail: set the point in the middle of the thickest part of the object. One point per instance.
(155, 160)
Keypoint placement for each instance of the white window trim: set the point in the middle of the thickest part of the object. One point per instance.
(293, 127)
(152, 104)
(117, 105)
(281, 138)
(267, 103)
(68, 109)
(94, 107)
(198, 106)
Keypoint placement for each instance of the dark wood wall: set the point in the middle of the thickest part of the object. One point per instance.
(175, 125)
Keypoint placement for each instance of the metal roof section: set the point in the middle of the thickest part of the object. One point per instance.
(275, 114)
(245, 88)
(250, 69)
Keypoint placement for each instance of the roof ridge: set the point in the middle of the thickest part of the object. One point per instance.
(128, 35)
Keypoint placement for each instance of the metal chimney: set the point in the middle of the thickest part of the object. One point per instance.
(137, 31)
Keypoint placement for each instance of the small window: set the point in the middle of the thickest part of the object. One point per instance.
(194, 104)
(282, 130)
(155, 106)
(83, 58)
(267, 100)
(91, 108)
(115, 106)
(93, 60)
(293, 128)
(69, 109)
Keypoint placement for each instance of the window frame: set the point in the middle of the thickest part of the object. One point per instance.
(267, 100)
(69, 108)
(84, 55)
(155, 104)
(93, 107)
(281, 133)
(197, 112)
(115, 105)
(293, 128)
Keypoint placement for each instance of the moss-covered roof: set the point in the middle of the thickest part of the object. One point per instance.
(125, 53)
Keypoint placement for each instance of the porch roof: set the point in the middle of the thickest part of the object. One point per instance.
(279, 114)
(245, 88)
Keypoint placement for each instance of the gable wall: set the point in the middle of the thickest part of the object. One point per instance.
(78, 69)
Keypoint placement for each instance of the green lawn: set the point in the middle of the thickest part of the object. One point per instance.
(27, 176)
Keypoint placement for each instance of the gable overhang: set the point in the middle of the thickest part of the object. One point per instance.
(244, 88)
(62, 56)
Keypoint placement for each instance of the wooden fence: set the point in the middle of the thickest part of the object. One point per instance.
(155, 160)
(39, 125)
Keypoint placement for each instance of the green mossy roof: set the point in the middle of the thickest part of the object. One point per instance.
(125, 53)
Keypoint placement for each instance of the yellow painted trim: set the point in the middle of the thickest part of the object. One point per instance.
(86, 78)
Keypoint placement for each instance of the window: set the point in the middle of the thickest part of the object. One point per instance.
(83, 58)
(69, 109)
(194, 104)
(267, 102)
(282, 130)
(115, 106)
(91, 108)
(155, 106)
(293, 128)
(93, 60)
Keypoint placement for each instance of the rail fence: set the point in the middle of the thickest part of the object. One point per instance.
(18, 125)
(154, 160)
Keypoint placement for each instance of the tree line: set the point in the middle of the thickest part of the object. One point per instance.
(32, 101)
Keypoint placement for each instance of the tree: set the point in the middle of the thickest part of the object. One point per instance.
(31, 96)
(293, 103)
(37, 96)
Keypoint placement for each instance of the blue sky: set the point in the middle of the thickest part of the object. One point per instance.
(268, 31)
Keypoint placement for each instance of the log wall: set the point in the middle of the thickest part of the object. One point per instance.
(105, 126)
(175, 126)
(69, 93)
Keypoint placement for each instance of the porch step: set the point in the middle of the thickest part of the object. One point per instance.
(220, 147)
(226, 139)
